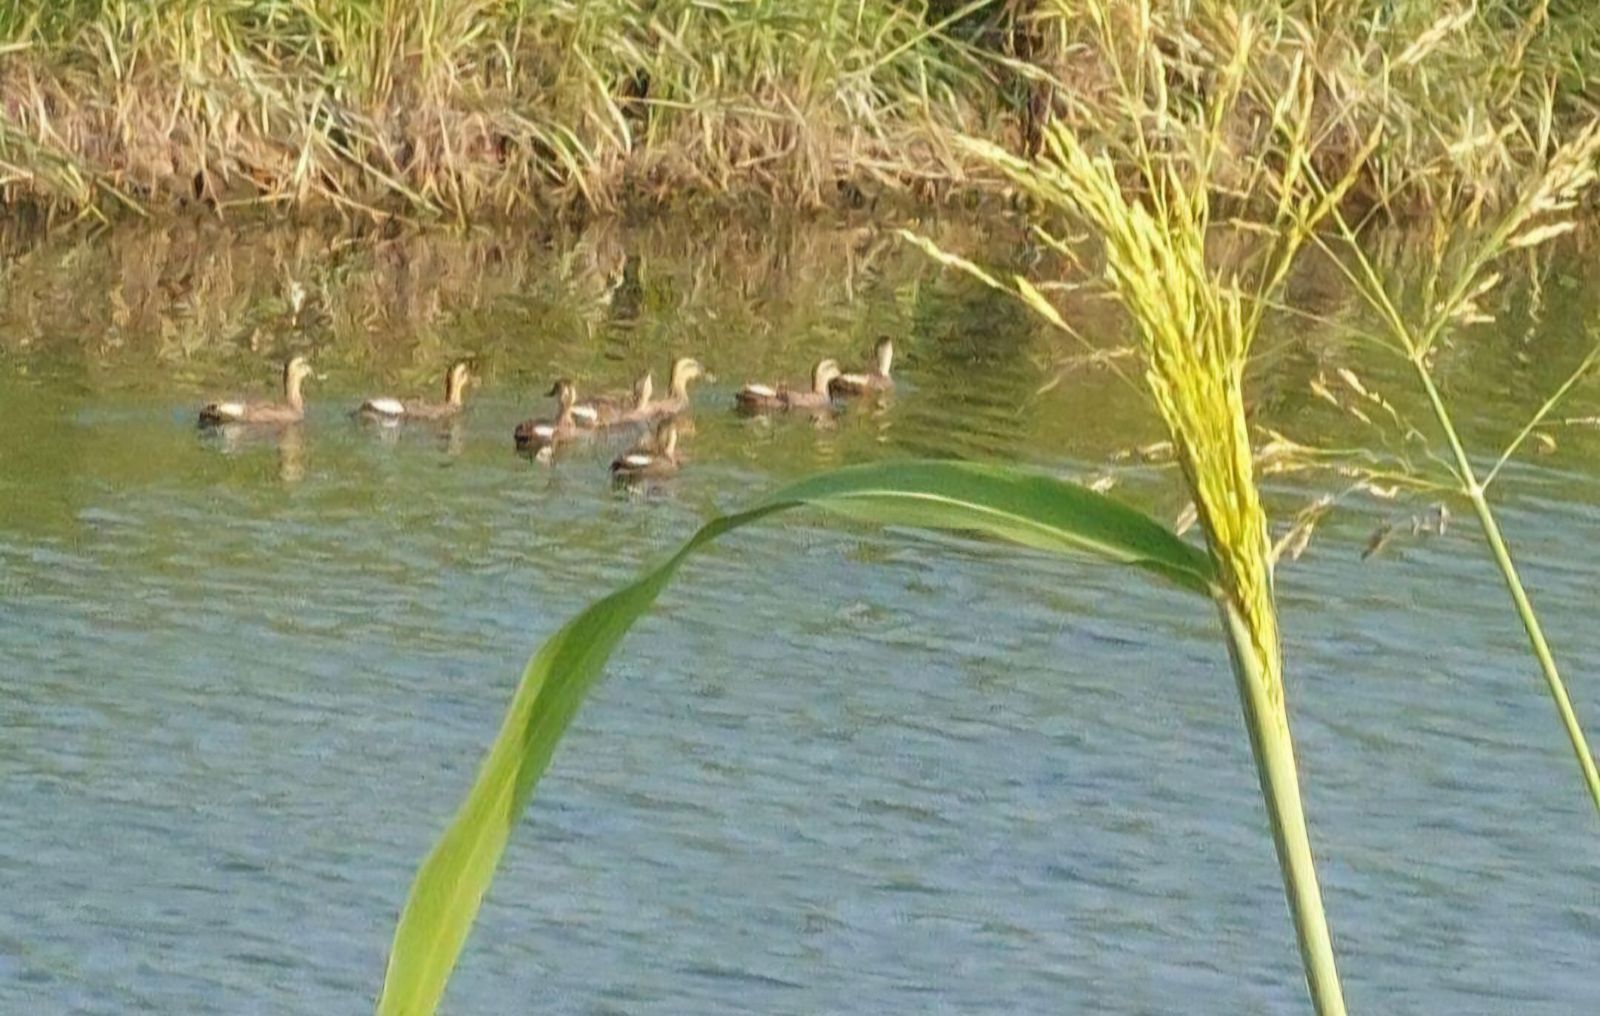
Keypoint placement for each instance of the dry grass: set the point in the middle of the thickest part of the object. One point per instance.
(461, 108)
(470, 107)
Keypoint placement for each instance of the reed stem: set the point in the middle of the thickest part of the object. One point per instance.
(1519, 596)
(1267, 720)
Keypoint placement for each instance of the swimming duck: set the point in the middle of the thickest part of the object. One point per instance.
(684, 370)
(541, 434)
(875, 380)
(291, 410)
(758, 398)
(612, 410)
(653, 457)
(395, 410)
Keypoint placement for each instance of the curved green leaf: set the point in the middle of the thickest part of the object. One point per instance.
(1022, 507)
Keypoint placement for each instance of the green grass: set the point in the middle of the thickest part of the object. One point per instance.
(471, 108)
(1001, 502)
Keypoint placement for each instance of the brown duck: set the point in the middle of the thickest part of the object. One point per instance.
(684, 370)
(874, 380)
(394, 410)
(654, 457)
(614, 410)
(541, 434)
(291, 410)
(760, 398)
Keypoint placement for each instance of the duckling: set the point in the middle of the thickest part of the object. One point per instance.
(875, 380)
(390, 410)
(758, 398)
(650, 458)
(684, 370)
(612, 410)
(541, 434)
(291, 410)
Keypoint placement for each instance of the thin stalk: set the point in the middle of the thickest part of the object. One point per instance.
(1519, 596)
(1538, 418)
(1268, 723)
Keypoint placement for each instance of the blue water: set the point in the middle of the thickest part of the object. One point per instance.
(836, 770)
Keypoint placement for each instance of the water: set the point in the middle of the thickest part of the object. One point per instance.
(836, 770)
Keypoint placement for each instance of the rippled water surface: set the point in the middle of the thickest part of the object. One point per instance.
(244, 682)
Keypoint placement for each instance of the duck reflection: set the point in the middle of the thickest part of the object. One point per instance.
(288, 440)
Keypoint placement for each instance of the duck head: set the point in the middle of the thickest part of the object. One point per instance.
(884, 351)
(455, 382)
(684, 370)
(566, 395)
(294, 374)
(824, 372)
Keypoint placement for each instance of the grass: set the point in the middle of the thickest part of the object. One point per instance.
(1460, 269)
(1195, 294)
(1194, 213)
(458, 109)
(462, 107)
(1001, 502)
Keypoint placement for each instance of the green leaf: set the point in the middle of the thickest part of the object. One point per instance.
(1022, 507)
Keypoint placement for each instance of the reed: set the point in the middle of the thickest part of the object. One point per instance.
(1195, 286)
(1450, 284)
(461, 109)
(1195, 292)
(472, 106)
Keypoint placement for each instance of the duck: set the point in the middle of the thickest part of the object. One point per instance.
(874, 380)
(684, 370)
(390, 410)
(653, 457)
(759, 398)
(613, 410)
(291, 410)
(542, 434)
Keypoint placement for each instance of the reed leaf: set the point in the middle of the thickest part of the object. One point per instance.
(1021, 507)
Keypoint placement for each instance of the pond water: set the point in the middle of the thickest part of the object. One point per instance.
(837, 769)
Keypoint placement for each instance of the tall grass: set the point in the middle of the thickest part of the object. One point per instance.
(1195, 292)
(462, 106)
(1450, 284)
(1195, 286)
(482, 107)
(1337, 113)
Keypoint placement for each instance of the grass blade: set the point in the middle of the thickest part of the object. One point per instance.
(1015, 505)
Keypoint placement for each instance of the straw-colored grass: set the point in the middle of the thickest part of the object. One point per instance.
(470, 106)
(460, 108)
